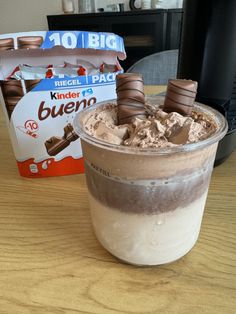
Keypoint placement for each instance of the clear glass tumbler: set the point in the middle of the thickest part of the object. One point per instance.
(86, 6)
(147, 204)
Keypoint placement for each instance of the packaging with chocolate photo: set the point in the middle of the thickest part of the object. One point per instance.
(45, 79)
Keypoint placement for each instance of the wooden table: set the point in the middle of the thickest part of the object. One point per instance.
(51, 262)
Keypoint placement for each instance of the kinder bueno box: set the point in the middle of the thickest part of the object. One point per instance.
(46, 78)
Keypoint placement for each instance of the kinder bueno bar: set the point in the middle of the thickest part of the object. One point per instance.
(6, 44)
(180, 96)
(130, 97)
(40, 110)
(12, 92)
(30, 42)
(55, 144)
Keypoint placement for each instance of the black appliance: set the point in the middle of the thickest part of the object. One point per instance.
(207, 54)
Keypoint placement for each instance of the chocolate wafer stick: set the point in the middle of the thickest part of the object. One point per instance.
(130, 97)
(180, 96)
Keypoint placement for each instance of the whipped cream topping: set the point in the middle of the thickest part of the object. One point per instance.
(159, 129)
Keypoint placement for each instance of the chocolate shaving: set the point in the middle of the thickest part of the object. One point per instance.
(130, 97)
(180, 96)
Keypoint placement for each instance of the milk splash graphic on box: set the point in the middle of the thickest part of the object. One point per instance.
(41, 103)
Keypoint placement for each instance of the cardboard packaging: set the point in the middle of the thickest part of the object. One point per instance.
(40, 111)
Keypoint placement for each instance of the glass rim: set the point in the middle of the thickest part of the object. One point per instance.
(215, 137)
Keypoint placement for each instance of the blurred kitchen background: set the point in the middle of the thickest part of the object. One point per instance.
(27, 15)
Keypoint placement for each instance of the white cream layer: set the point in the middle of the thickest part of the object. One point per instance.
(147, 239)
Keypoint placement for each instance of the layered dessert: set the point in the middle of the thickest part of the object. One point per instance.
(148, 169)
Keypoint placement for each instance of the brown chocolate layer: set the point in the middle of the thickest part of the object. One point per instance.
(151, 198)
(130, 97)
(180, 96)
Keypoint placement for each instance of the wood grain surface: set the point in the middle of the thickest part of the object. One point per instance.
(51, 262)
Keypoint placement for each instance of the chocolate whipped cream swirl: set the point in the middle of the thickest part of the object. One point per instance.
(180, 96)
(130, 97)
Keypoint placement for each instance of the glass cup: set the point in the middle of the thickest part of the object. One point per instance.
(86, 6)
(146, 4)
(68, 6)
(147, 204)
